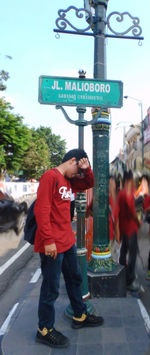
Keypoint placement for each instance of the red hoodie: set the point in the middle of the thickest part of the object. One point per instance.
(146, 202)
(52, 209)
(112, 218)
(126, 213)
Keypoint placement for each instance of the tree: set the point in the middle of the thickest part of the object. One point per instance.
(56, 145)
(4, 76)
(14, 138)
(24, 151)
(36, 159)
(2, 161)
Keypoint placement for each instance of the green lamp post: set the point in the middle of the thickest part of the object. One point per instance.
(101, 256)
(101, 262)
(104, 275)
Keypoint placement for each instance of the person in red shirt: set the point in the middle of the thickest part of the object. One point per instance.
(146, 208)
(112, 207)
(114, 236)
(128, 225)
(55, 241)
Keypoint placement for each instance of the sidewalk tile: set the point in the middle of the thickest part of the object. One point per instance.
(95, 349)
(71, 350)
(112, 321)
(139, 348)
(113, 335)
(90, 335)
(116, 349)
(137, 335)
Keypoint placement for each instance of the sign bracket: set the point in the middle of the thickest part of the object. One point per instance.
(79, 122)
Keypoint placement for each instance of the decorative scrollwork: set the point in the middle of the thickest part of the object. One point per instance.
(62, 22)
(135, 28)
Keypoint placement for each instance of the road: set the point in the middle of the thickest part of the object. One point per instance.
(17, 290)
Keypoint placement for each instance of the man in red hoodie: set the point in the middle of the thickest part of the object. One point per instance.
(55, 241)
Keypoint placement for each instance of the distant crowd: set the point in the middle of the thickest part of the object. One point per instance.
(129, 207)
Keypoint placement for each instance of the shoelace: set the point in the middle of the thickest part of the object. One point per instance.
(90, 317)
(54, 334)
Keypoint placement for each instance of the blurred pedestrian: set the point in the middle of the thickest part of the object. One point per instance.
(114, 235)
(146, 209)
(55, 241)
(89, 224)
(128, 225)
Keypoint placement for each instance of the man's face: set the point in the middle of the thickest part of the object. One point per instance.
(72, 169)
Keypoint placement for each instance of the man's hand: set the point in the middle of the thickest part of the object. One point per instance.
(51, 250)
(83, 163)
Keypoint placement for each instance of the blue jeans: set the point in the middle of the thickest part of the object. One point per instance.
(66, 262)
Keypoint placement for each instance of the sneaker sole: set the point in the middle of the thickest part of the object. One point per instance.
(78, 326)
(42, 341)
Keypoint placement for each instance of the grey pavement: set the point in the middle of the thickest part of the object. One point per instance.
(123, 332)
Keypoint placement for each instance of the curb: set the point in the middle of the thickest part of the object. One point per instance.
(9, 269)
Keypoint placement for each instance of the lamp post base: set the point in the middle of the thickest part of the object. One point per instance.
(108, 284)
(98, 265)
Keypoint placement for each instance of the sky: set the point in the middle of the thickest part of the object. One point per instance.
(27, 36)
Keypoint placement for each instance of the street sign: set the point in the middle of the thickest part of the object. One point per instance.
(80, 92)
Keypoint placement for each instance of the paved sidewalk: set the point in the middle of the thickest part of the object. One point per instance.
(123, 332)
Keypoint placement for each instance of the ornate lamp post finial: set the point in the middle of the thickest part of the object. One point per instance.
(82, 73)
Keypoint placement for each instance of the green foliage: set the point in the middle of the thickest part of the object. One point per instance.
(14, 138)
(4, 76)
(24, 151)
(56, 146)
(2, 157)
(36, 159)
